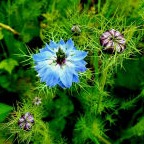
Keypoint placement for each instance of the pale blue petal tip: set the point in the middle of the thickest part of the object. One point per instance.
(61, 42)
(70, 42)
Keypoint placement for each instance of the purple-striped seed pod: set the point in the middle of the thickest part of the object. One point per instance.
(26, 121)
(113, 41)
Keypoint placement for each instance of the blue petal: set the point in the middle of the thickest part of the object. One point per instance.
(80, 66)
(80, 62)
(81, 69)
(53, 44)
(42, 56)
(61, 84)
(41, 64)
(47, 48)
(70, 44)
(62, 42)
(42, 71)
(75, 78)
(50, 77)
(66, 77)
(79, 55)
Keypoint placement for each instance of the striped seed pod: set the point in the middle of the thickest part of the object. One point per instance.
(113, 41)
(26, 121)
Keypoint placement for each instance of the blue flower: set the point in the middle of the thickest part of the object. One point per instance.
(59, 63)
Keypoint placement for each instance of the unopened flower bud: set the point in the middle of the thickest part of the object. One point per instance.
(113, 41)
(26, 121)
(76, 29)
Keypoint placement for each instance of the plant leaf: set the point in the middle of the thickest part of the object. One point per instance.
(4, 111)
(8, 64)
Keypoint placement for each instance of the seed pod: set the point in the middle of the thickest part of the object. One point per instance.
(113, 41)
(26, 121)
(76, 29)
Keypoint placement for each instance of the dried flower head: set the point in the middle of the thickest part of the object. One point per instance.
(113, 41)
(76, 29)
(37, 101)
(26, 121)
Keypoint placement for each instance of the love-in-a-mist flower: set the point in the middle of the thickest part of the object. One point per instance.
(26, 121)
(113, 41)
(59, 63)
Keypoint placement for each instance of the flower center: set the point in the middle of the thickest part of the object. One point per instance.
(60, 57)
(113, 38)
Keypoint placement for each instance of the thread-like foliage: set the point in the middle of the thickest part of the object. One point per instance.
(106, 105)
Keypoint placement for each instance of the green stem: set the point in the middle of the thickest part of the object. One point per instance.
(102, 84)
(99, 5)
(4, 51)
(96, 66)
(7, 27)
(103, 78)
(109, 63)
(103, 140)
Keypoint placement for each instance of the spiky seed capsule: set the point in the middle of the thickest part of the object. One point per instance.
(113, 41)
(26, 121)
(76, 29)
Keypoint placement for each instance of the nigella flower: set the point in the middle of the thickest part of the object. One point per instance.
(37, 101)
(26, 121)
(59, 63)
(113, 41)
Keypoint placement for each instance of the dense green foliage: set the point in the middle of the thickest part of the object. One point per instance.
(106, 106)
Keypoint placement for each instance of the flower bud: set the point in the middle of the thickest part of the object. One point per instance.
(75, 29)
(26, 121)
(113, 41)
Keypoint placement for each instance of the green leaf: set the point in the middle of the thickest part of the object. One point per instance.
(132, 75)
(4, 111)
(8, 64)
(5, 81)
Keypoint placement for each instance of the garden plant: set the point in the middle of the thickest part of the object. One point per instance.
(72, 72)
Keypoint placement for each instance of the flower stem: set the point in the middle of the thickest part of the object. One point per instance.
(96, 66)
(99, 4)
(9, 28)
(102, 84)
(103, 78)
(103, 140)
